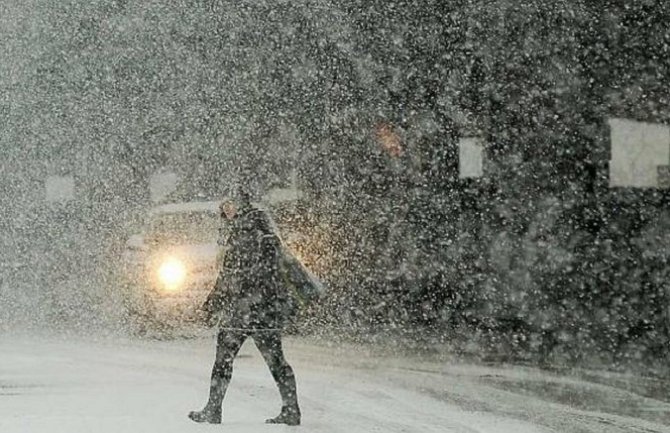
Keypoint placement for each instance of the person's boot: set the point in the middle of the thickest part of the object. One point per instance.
(288, 416)
(209, 415)
(290, 411)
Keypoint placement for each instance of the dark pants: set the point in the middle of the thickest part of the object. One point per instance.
(269, 344)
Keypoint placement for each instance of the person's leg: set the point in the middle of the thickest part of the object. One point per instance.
(269, 344)
(228, 344)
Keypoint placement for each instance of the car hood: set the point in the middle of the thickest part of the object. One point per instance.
(198, 257)
(195, 252)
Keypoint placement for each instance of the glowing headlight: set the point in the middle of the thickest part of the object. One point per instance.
(172, 273)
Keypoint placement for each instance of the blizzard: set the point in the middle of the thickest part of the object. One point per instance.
(473, 198)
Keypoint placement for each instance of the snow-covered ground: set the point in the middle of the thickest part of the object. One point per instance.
(58, 385)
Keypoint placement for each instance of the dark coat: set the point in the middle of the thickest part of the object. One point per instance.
(248, 292)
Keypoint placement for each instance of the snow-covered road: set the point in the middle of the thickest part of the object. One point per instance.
(56, 385)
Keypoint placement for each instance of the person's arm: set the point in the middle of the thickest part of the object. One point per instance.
(218, 295)
(214, 302)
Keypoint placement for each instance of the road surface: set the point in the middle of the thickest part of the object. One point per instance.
(61, 385)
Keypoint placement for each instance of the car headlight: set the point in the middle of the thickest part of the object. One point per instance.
(172, 273)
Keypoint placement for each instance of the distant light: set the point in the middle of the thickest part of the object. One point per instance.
(389, 139)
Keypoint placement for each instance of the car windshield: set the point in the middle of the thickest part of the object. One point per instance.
(183, 228)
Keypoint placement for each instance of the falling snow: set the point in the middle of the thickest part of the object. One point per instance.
(479, 189)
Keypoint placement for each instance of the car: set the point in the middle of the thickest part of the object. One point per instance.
(170, 267)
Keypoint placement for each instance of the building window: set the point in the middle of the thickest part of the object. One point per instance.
(640, 154)
(470, 158)
(161, 184)
(59, 189)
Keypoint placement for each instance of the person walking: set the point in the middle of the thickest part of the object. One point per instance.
(252, 302)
